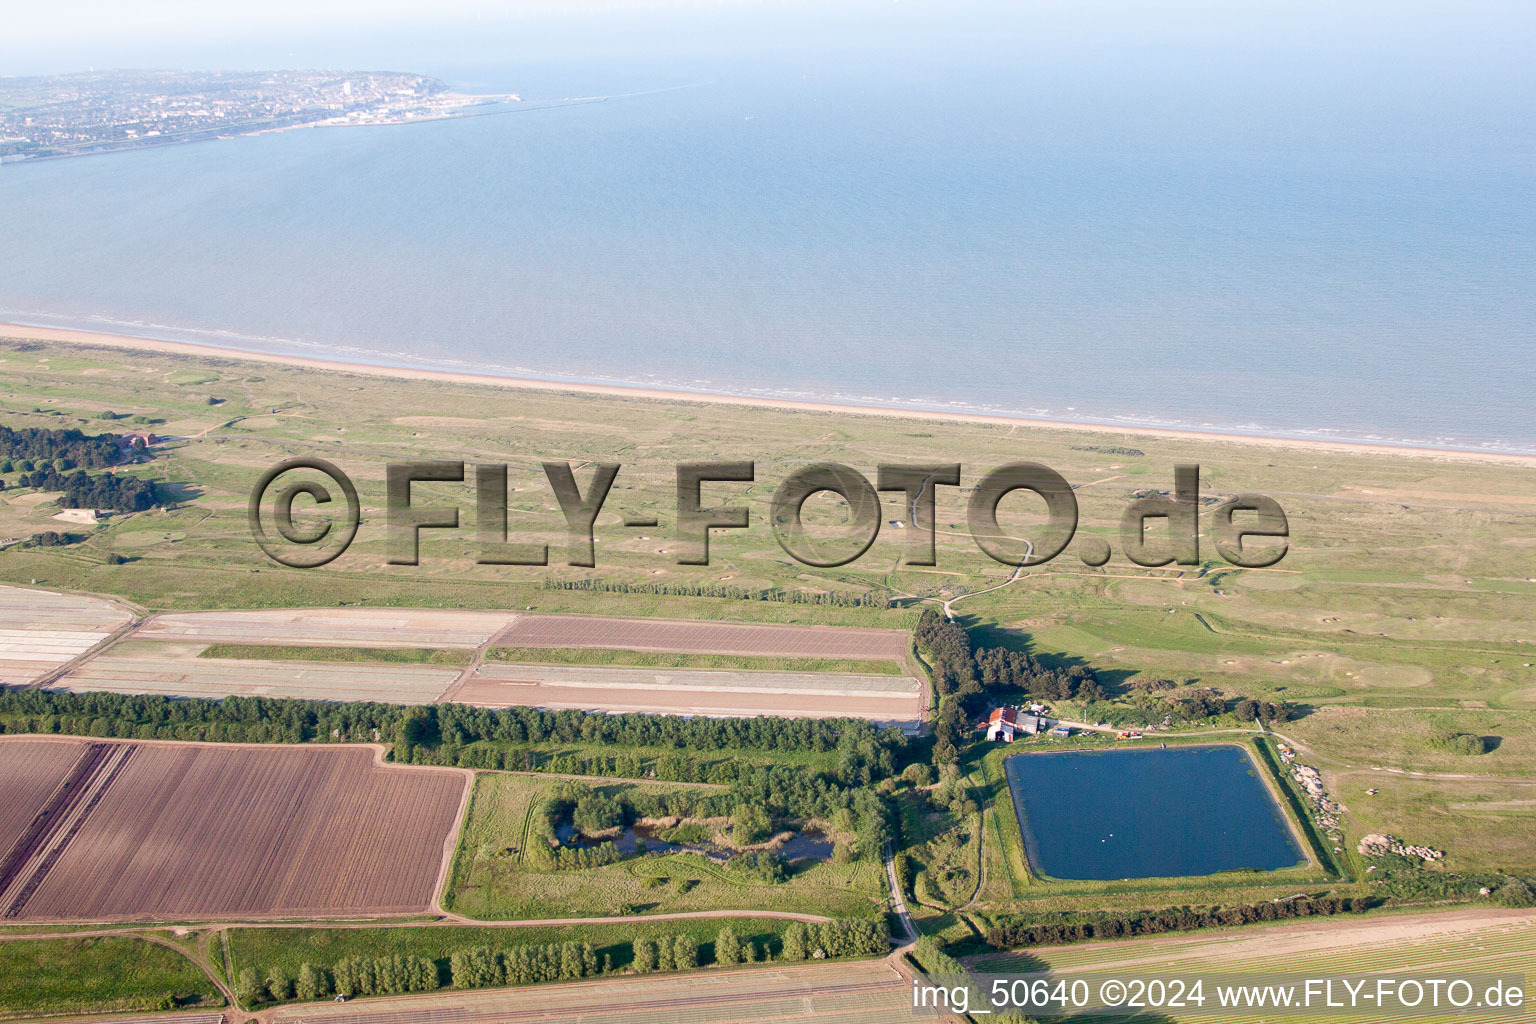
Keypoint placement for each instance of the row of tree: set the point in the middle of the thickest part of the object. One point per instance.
(458, 724)
(835, 598)
(1012, 934)
(484, 967)
(680, 953)
(357, 976)
(453, 726)
(525, 965)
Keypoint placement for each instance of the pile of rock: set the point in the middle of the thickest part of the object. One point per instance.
(1378, 844)
(1325, 809)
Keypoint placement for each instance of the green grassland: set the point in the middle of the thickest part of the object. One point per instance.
(1438, 813)
(289, 652)
(944, 849)
(494, 879)
(97, 975)
(1403, 604)
(661, 659)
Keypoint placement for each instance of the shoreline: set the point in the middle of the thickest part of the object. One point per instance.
(72, 336)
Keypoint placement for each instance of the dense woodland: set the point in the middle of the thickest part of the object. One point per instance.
(57, 460)
(40, 446)
(104, 490)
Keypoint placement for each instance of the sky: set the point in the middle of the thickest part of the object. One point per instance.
(1468, 38)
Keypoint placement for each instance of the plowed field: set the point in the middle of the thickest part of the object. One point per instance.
(189, 831)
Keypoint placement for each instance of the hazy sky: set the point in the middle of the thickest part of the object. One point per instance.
(1442, 40)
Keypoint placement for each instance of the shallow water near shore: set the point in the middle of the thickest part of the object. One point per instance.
(996, 220)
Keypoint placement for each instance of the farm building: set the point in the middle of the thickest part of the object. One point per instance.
(1008, 723)
(1061, 730)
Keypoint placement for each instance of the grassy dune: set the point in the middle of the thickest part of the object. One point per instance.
(1403, 602)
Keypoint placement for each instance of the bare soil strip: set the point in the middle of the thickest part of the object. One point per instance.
(695, 692)
(311, 680)
(41, 631)
(332, 627)
(701, 637)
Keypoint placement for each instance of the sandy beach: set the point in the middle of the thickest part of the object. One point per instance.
(1117, 433)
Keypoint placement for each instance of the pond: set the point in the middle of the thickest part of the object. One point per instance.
(1144, 813)
(807, 844)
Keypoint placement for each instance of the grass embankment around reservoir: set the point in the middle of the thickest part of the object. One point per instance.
(1034, 892)
(102, 974)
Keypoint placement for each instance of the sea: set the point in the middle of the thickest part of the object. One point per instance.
(1286, 220)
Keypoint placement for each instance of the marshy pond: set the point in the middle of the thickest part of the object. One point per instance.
(1148, 813)
(805, 844)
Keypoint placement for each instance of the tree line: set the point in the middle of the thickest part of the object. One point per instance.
(433, 727)
(357, 976)
(526, 965)
(1016, 933)
(485, 967)
(835, 598)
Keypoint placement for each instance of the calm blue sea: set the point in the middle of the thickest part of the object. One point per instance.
(1217, 224)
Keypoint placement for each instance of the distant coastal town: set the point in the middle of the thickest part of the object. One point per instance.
(95, 112)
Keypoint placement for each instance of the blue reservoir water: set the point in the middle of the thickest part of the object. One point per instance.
(1251, 225)
(1106, 815)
